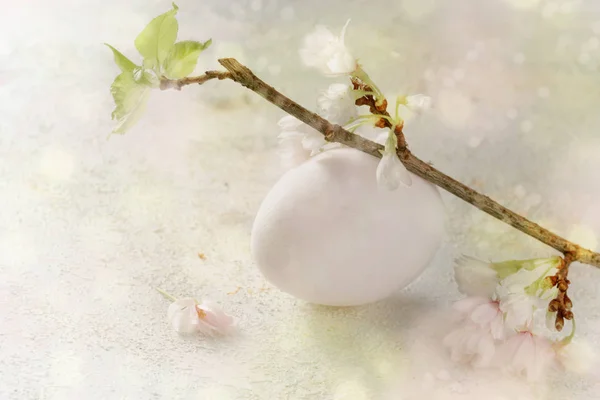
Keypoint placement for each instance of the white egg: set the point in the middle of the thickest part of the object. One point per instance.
(327, 234)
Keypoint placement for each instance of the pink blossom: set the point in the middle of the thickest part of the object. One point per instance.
(526, 354)
(187, 316)
(213, 320)
(481, 325)
(483, 312)
(471, 344)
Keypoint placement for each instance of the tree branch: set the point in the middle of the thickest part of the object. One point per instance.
(335, 133)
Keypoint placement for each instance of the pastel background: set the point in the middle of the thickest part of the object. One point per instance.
(88, 226)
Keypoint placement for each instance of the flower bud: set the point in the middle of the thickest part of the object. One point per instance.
(554, 306)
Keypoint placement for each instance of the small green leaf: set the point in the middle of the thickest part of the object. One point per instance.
(130, 100)
(156, 40)
(183, 57)
(124, 63)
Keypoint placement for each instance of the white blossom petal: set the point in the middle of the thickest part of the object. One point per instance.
(290, 123)
(391, 172)
(475, 277)
(337, 104)
(522, 293)
(518, 281)
(213, 320)
(519, 309)
(297, 142)
(532, 272)
(468, 304)
(313, 141)
(327, 52)
(418, 103)
(182, 315)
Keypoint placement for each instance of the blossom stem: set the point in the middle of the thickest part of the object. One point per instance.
(392, 142)
(569, 338)
(335, 133)
(367, 118)
(353, 126)
(399, 100)
(165, 294)
(366, 79)
(361, 93)
(360, 121)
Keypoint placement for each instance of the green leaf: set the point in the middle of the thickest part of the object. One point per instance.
(130, 99)
(183, 57)
(156, 40)
(124, 63)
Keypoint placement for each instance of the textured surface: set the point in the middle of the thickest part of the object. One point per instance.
(88, 225)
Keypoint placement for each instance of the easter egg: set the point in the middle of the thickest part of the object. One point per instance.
(327, 234)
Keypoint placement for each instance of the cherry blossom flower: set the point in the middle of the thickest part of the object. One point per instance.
(475, 277)
(525, 291)
(481, 324)
(513, 291)
(327, 52)
(526, 354)
(418, 103)
(483, 312)
(337, 104)
(183, 315)
(530, 275)
(390, 171)
(312, 140)
(187, 316)
(471, 344)
(519, 308)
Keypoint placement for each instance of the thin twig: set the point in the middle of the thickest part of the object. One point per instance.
(177, 84)
(335, 133)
